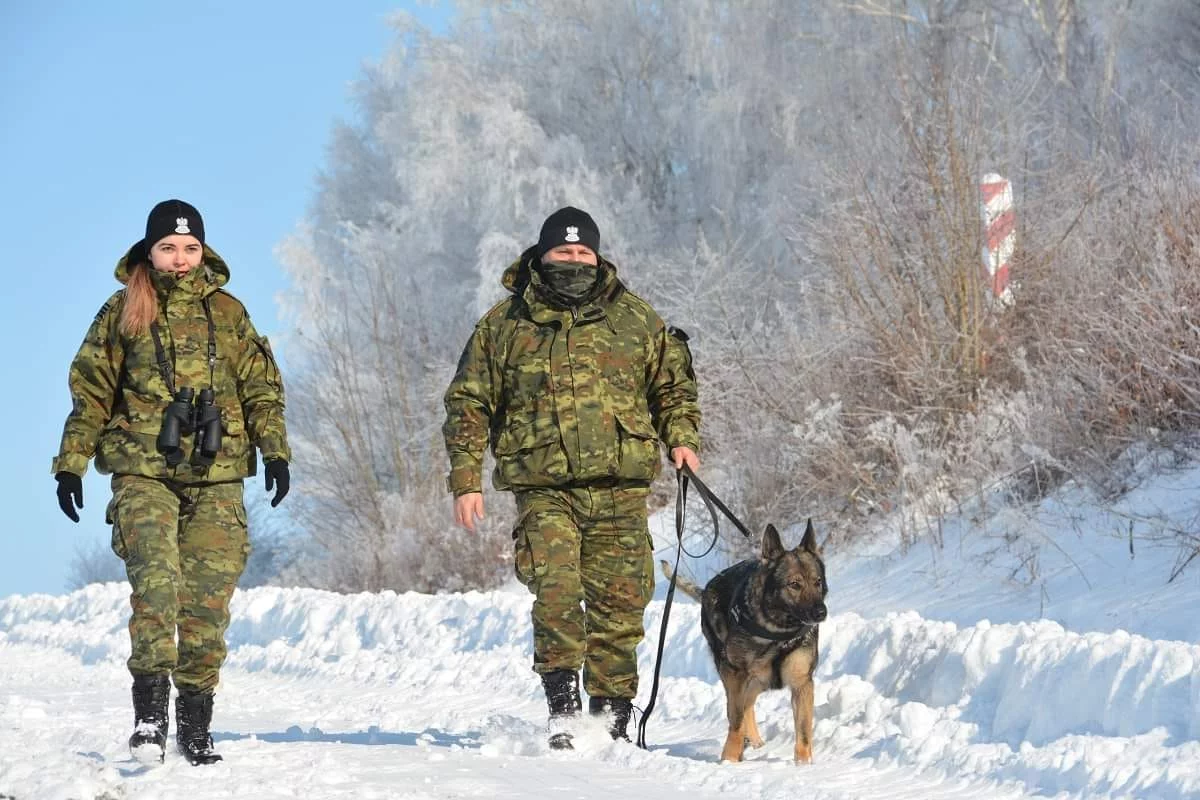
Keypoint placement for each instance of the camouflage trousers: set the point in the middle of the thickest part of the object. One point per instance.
(585, 553)
(184, 548)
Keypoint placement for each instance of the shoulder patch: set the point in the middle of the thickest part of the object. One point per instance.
(103, 310)
(678, 333)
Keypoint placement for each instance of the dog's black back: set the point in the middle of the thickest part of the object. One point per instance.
(757, 612)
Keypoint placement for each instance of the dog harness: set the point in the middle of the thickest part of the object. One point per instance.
(739, 612)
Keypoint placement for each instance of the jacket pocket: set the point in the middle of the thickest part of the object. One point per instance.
(639, 456)
(128, 447)
(233, 436)
(529, 452)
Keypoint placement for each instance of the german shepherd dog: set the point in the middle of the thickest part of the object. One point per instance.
(760, 618)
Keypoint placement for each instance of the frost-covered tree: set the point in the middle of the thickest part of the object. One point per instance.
(94, 562)
(742, 160)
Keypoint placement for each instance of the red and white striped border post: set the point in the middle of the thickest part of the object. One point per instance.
(999, 221)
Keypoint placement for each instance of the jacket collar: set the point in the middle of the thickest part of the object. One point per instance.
(215, 270)
(517, 279)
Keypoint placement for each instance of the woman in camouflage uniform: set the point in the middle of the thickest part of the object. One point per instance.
(172, 389)
(576, 383)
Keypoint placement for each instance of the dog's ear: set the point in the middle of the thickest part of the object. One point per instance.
(772, 546)
(809, 542)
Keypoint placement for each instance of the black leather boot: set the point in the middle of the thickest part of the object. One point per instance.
(193, 715)
(151, 696)
(562, 696)
(616, 711)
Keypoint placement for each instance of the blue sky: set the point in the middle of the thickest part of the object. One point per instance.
(108, 108)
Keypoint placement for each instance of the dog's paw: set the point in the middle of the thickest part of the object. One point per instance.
(732, 751)
(754, 742)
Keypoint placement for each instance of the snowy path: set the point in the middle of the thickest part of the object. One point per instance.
(414, 696)
(278, 752)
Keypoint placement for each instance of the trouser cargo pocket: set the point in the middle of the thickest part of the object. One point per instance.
(529, 549)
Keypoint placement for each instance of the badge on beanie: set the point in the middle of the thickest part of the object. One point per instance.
(568, 225)
(181, 225)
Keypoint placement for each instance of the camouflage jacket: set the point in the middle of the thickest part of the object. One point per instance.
(118, 393)
(568, 396)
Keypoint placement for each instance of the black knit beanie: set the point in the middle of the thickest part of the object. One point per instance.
(170, 217)
(568, 226)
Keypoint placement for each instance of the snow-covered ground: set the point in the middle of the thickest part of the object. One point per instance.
(1037, 652)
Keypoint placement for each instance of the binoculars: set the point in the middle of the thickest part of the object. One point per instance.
(183, 417)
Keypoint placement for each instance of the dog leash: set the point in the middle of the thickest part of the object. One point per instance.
(683, 476)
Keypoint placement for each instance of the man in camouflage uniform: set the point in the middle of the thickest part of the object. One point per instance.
(179, 527)
(575, 382)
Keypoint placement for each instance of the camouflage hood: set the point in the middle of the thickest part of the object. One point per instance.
(517, 279)
(217, 269)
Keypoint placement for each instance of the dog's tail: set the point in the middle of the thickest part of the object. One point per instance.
(683, 584)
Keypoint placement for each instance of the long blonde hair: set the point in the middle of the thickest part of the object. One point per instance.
(141, 301)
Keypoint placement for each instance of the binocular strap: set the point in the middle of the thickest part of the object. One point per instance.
(167, 369)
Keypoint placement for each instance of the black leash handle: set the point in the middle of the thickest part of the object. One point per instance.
(712, 503)
(710, 499)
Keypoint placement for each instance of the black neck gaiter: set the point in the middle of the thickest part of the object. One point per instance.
(567, 283)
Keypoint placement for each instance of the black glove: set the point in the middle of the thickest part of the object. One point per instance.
(70, 493)
(278, 475)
